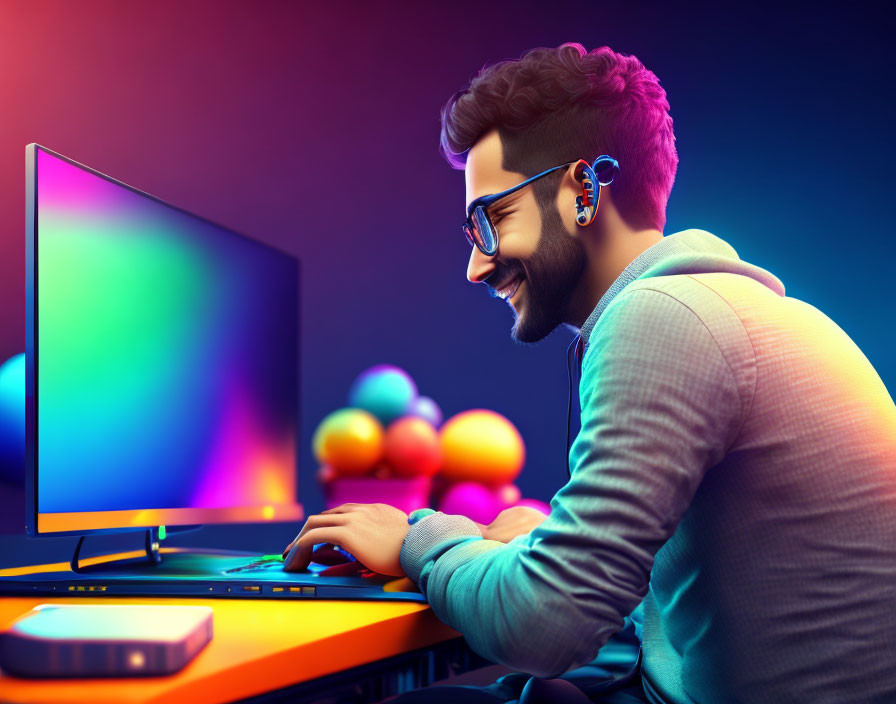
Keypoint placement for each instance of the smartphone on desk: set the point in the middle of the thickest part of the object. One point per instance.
(104, 640)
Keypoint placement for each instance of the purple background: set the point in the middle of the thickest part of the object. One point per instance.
(314, 127)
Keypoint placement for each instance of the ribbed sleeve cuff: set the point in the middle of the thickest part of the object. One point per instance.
(430, 531)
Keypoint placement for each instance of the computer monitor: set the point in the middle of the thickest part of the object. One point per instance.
(161, 362)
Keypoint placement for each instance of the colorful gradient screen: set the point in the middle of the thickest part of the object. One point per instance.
(166, 362)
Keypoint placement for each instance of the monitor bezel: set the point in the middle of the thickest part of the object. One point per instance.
(32, 357)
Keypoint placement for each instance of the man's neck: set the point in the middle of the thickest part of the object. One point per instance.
(607, 256)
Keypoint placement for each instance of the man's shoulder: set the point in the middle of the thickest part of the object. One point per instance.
(714, 299)
(702, 292)
(658, 311)
(654, 297)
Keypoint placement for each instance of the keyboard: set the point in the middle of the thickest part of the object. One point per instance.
(326, 560)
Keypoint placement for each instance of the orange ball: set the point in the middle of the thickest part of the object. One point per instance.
(350, 441)
(481, 446)
(412, 447)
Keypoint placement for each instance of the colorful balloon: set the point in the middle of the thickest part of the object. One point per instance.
(412, 447)
(472, 500)
(482, 446)
(385, 391)
(350, 441)
(425, 407)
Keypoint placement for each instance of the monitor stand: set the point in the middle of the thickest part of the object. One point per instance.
(152, 556)
(179, 562)
(151, 545)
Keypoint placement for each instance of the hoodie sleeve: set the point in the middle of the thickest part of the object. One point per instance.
(660, 406)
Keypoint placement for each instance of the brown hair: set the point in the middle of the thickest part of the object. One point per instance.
(556, 105)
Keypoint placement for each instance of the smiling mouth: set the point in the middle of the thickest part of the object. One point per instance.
(508, 291)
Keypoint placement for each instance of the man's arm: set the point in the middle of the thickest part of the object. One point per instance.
(660, 406)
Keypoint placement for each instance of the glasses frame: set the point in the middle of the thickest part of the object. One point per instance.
(478, 210)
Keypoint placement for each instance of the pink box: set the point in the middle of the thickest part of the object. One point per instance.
(404, 494)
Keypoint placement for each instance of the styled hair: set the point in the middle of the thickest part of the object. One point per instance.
(556, 105)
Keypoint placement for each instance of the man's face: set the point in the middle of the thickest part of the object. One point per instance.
(538, 262)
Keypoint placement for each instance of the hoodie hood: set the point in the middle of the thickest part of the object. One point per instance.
(686, 252)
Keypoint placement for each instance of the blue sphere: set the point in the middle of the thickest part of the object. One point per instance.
(385, 391)
(12, 420)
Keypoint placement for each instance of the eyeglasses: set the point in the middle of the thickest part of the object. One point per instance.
(479, 229)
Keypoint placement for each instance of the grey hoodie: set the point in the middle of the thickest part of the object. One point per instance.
(734, 478)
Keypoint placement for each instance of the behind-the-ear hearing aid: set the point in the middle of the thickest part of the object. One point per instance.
(602, 173)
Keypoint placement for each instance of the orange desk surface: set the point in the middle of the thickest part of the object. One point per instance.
(259, 645)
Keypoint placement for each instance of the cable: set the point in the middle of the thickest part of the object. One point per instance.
(572, 345)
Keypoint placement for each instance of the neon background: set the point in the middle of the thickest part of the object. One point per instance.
(166, 357)
(314, 127)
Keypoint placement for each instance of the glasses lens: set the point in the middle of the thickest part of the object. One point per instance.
(469, 235)
(483, 232)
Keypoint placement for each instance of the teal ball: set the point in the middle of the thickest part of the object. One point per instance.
(385, 391)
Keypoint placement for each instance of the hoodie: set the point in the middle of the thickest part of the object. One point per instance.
(734, 478)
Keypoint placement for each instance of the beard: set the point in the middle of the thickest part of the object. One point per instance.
(551, 275)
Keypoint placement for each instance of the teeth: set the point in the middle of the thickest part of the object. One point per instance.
(508, 291)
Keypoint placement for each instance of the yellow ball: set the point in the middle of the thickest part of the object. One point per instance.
(350, 441)
(481, 446)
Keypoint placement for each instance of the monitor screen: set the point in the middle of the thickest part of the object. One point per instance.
(162, 361)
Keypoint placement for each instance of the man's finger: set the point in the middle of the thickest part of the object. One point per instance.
(300, 555)
(315, 521)
(342, 508)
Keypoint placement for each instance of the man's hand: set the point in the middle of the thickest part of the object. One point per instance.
(373, 533)
(511, 522)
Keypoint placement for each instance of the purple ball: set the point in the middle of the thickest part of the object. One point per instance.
(472, 500)
(426, 408)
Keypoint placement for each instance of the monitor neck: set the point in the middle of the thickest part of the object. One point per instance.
(150, 544)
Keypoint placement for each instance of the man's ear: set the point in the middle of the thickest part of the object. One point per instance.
(569, 189)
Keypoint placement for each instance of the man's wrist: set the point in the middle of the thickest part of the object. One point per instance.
(430, 530)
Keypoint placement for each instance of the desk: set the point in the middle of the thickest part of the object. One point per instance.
(289, 650)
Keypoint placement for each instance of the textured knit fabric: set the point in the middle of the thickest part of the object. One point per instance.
(419, 515)
(734, 474)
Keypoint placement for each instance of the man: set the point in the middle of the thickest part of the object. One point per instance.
(732, 497)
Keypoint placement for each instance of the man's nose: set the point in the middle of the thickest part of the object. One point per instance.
(479, 267)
